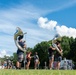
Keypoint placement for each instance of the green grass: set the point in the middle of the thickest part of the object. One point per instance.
(37, 72)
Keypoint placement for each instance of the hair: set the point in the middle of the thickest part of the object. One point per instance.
(58, 42)
(20, 37)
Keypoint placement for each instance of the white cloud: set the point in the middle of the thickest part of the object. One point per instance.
(3, 53)
(67, 31)
(44, 23)
(63, 30)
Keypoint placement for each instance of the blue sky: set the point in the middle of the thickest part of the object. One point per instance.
(41, 19)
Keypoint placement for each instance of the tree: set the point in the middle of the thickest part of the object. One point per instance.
(14, 58)
(42, 49)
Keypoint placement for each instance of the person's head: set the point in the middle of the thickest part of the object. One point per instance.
(20, 37)
(58, 43)
(30, 53)
(36, 53)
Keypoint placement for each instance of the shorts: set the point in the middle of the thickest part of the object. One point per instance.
(58, 59)
(20, 57)
(51, 57)
(36, 60)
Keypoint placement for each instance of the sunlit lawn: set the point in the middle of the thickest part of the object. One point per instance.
(37, 72)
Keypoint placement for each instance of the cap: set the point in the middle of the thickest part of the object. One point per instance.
(50, 45)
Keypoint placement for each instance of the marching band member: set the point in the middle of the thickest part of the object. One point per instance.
(36, 60)
(51, 51)
(20, 53)
(58, 56)
(28, 59)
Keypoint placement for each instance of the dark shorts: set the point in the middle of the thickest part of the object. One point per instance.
(51, 57)
(58, 58)
(20, 57)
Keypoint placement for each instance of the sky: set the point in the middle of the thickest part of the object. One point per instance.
(41, 19)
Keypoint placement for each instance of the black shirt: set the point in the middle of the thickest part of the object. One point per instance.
(22, 45)
(57, 53)
(36, 57)
(50, 51)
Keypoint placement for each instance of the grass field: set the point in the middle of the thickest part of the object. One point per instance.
(37, 72)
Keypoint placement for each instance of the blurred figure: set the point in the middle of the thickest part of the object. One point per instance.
(58, 56)
(51, 56)
(45, 63)
(65, 64)
(38, 64)
(5, 64)
(28, 59)
(20, 53)
(9, 64)
(36, 60)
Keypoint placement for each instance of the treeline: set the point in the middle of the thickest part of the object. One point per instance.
(68, 46)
